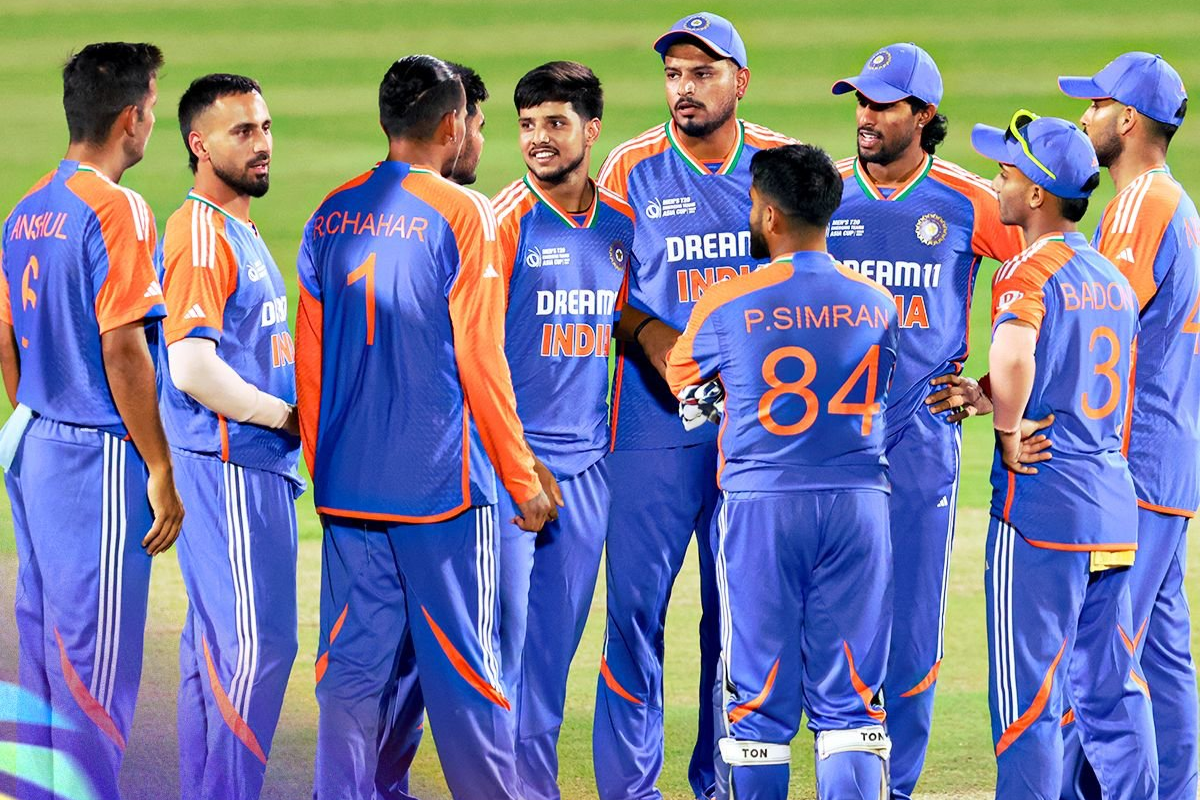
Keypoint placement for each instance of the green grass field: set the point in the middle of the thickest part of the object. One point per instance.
(320, 63)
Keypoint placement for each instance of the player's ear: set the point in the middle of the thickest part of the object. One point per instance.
(195, 143)
(741, 81)
(447, 129)
(926, 115)
(591, 132)
(1036, 196)
(127, 121)
(1127, 120)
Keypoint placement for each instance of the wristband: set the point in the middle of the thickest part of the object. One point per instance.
(638, 330)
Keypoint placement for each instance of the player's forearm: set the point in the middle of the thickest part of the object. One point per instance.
(655, 337)
(130, 372)
(1012, 368)
(10, 362)
(197, 370)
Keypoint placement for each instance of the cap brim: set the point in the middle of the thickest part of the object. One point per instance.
(872, 88)
(1081, 87)
(663, 43)
(990, 143)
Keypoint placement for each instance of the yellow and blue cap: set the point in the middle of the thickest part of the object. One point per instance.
(711, 30)
(895, 72)
(1051, 152)
(1142, 80)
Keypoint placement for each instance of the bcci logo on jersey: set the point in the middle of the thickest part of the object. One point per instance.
(618, 255)
(931, 229)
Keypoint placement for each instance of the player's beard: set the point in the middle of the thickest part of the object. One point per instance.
(889, 150)
(1108, 147)
(462, 171)
(245, 182)
(557, 175)
(759, 250)
(698, 129)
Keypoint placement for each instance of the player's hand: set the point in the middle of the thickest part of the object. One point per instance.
(656, 341)
(1035, 446)
(168, 512)
(292, 425)
(534, 513)
(963, 397)
(550, 487)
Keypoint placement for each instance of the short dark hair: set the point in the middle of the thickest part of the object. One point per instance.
(202, 93)
(1165, 131)
(800, 180)
(415, 94)
(101, 81)
(561, 82)
(934, 132)
(473, 86)
(1073, 208)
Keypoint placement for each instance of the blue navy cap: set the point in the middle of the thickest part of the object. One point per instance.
(1142, 80)
(713, 31)
(1051, 152)
(895, 72)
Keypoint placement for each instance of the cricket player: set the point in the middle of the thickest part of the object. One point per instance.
(1151, 232)
(805, 349)
(564, 247)
(1063, 533)
(401, 353)
(920, 226)
(403, 703)
(95, 483)
(228, 401)
(687, 181)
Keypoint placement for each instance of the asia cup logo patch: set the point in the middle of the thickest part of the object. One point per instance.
(879, 60)
(653, 209)
(618, 254)
(931, 229)
(697, 23)
(533, 259)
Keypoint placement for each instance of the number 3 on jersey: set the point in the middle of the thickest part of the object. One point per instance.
(838, 404)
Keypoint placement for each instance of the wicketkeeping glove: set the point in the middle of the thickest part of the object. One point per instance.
(703, 403)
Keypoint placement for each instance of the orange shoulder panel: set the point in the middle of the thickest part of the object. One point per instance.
(764, 138)
(1134, 224)
(510, 206)
(130, 289)
(1026, 276)
(357, 180)
(845, 166)
(199, 270)
(614, 172)
(614, 202)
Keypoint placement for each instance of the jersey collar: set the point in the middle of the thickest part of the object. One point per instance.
(699, 167)
(867, 184)
(204, 201)
(567, 218)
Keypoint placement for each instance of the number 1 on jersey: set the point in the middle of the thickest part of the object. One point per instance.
(367, 270)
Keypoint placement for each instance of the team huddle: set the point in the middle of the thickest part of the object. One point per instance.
(726, 335)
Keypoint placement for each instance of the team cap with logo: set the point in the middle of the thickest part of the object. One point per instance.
(712, 31)
(895, 72)
(1051, 152)
(1142, 80)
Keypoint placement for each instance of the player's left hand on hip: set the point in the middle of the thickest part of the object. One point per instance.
(1035, 446)
(703, 403)
(963, 397)
(549, 486)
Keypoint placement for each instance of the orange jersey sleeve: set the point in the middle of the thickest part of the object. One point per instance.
(199, 273)
(1133, 227)
(477, 318)
(991, 238)
(309, 328)
(129, 290)
(614, 172)
(509, 206)
(5, 300)
(1018, 290)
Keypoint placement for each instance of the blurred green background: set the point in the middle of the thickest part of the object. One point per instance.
(320, 64)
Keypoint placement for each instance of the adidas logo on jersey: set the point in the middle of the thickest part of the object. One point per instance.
(153, 290)
(195, 312)
(490, 272)
(943, 502)
(1126, 255)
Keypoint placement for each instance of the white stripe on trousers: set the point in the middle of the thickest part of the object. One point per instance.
(1004, 659)
(485, 592)
(245, 612)
(953, 499)
(112, 545)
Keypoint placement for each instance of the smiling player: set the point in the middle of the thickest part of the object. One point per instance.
(564, 249)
